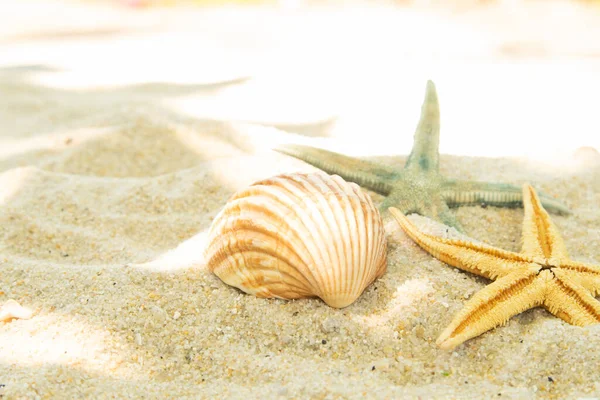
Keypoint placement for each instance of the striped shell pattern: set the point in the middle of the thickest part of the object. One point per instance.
(299, 235)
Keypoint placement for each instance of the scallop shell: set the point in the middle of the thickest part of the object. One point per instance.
(299, 235)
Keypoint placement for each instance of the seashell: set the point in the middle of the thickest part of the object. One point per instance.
(299, 235)
(13, 310)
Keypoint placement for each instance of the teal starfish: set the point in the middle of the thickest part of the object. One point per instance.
(419, 187)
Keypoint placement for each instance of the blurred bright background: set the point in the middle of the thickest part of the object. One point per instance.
(514, 77)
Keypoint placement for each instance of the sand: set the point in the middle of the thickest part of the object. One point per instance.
(107, 191)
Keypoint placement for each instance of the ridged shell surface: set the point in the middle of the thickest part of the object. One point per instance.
(299, 235)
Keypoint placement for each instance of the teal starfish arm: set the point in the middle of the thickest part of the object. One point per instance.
(373, 176)
(419, 187)
(425, 152)
(464, 193)
(447, 217)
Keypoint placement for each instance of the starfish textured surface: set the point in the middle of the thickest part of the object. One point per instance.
(541, 275)
(419, 187)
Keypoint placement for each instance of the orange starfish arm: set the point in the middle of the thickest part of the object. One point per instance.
(541, 239)
(570, 300)
(494, 305)
(478, 259)
(586, 275)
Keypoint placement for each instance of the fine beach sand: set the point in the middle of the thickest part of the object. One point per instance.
(106, 196)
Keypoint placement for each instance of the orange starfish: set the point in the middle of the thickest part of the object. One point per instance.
(542, 274)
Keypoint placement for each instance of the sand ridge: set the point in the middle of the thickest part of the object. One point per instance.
(76, 247)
